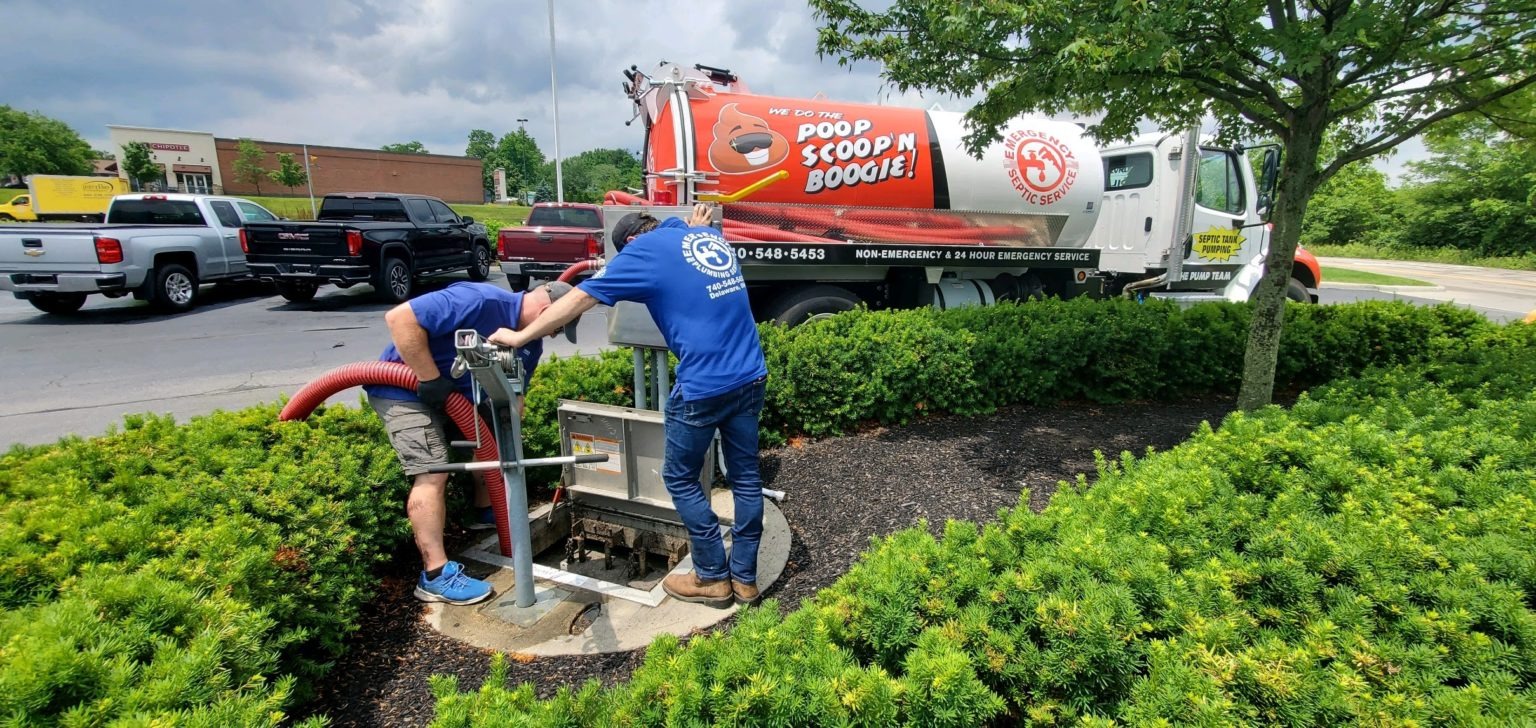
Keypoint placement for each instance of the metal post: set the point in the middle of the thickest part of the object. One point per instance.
(642, 384)
(663, 380)
(309, 181)
(555, 99)
(515, 494)
(1189, 165)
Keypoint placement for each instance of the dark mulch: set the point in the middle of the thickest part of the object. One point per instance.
(842, 492)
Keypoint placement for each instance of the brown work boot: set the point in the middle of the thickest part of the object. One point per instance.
(690, 588)
(744, 593)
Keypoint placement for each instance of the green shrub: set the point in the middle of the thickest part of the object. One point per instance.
(1365, 557)
(179, 570)
(205, 574)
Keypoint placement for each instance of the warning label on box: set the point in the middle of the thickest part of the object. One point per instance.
(582, 444)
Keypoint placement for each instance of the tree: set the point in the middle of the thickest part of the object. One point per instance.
(590, 175)
(247, 166)
(31, 143)
(519, 154)
(1476, 192)
(410, 147)
(1366, 75)
(289, 173)
(1354, 206)
(482, 145)
(140, 166)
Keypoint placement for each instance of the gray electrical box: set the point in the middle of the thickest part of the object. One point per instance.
(635, 442)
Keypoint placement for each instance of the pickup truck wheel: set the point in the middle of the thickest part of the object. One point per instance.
(481, 270)
(57, 302)
(298, 291)
(394, 283)
(1297, 291)
(807, 304)
(174, 288)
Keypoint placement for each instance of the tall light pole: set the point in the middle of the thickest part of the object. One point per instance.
(555, 98)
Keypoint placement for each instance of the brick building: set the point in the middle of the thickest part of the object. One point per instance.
(341, 169)
(192, 161)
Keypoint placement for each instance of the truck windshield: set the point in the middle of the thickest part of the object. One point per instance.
(563, 217)
(362, 208)
(154, 212)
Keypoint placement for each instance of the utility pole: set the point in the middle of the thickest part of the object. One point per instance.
(555, 98)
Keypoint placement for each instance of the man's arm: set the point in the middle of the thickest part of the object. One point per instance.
(568, 308)
(411, 341)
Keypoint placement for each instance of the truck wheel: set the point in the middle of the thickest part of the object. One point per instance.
(481, 269)
(805, 304)
(298, 291)
(1297, 291)
(174, 288)
(518, 282)
(394, 283)
(57, 302)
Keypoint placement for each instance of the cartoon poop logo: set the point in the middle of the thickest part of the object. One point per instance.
(744, 143)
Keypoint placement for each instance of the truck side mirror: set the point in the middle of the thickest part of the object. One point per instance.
(1270, 172)
(467, 220)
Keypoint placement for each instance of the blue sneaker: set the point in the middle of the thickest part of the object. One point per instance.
(452, 586)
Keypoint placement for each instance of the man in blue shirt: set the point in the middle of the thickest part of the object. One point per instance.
(689, 279)
(422, 332)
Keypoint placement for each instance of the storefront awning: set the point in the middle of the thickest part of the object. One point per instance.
(203, 168)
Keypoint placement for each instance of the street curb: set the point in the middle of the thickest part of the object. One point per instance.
(1374, 287)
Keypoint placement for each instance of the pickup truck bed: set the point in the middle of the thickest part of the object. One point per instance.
(55, 267)
(386, 240)
(556, 236)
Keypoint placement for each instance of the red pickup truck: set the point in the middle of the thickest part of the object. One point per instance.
(554, 236)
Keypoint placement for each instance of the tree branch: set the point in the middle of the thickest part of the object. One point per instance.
(1387, 140)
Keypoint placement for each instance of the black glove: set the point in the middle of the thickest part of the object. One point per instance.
(434, 392)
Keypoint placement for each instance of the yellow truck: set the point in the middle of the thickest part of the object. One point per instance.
(60, 197)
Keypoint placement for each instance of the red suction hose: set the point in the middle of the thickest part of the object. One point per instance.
(576, 269)
(395, 374)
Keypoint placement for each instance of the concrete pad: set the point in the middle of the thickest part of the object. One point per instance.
(571, 620)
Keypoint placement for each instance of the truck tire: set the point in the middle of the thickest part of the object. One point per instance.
(804, 304)
(481, 268)
(518, 282)
(59, 303)
(297, 291)
(173, 288)
(1297, 291)
(395, 282)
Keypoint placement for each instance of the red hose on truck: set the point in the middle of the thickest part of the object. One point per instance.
(395, 374)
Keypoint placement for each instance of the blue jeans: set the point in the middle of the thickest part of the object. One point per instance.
(690, 427)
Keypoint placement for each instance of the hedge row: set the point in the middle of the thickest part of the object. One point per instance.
(888, 367)
(204, 573)
(1364, 558)
(194, 575)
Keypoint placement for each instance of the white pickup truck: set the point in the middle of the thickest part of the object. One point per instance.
(157, 247)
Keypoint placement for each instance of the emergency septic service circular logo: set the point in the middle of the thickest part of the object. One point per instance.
(709, 254)
(1040, 167)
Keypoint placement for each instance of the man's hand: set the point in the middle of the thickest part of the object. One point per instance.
(434, 392)
(703, 215)
(508, 338)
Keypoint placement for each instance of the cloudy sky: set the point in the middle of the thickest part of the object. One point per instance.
(364, 73)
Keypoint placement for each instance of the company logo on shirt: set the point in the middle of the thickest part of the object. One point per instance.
(709, 254)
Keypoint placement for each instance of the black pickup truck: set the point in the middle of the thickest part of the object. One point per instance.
(384, 239)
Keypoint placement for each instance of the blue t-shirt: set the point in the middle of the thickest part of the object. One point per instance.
(690, 281)
(479, 306)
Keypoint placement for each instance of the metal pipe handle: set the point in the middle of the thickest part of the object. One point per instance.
(516, 465)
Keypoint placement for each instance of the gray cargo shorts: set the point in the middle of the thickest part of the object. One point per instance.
(416, 431)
